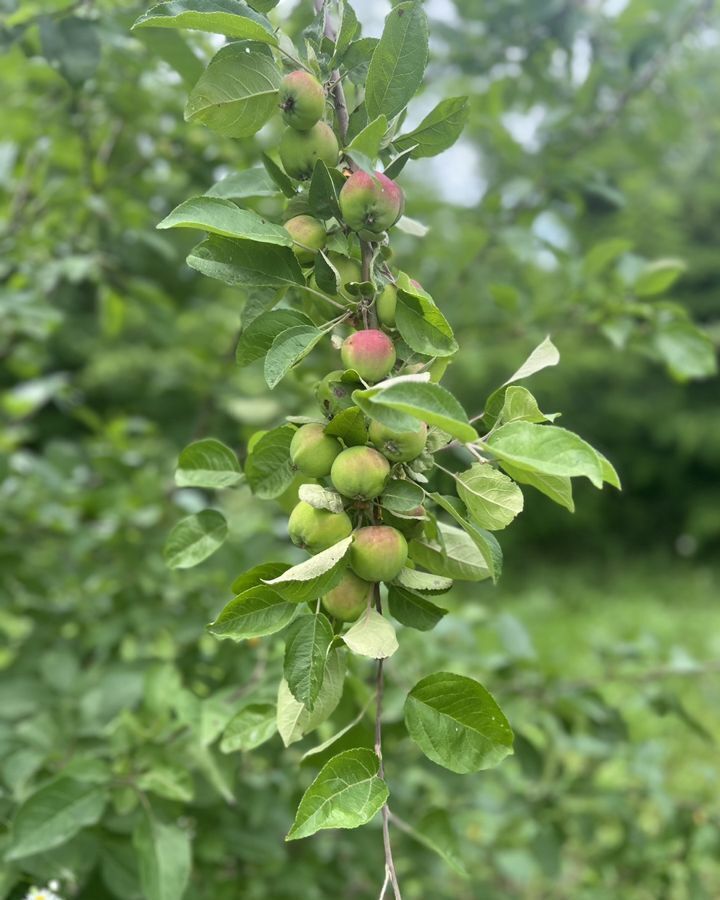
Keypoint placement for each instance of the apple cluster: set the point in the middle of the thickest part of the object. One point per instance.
(369, 204)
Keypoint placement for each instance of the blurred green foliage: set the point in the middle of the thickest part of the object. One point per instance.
(588, 157)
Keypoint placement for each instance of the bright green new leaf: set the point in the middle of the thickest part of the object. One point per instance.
(457, 723)
(348, 792)
(53, 814)
(492, 499)
(232, 18)
(207, 464)
(307, 645)
(237, 93)
(257, 612)
(223, 217)
(372, 635)
(349, 424)
(546, 449)
(195, 538)
(398, 61)
(438, 130)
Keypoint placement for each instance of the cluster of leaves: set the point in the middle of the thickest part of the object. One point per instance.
(452, 718)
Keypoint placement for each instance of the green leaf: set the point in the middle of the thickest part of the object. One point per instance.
(171, 782)
(349, 28)
(413, 610)
(349, 424)
(246, 263)
(414, 580)
(492, 499)
(257, 612)
(599, 257)
(398, 61)
(557, 487)
(435, 831)
(195, 538)
(314, 577)
(372, 635)
(347, 793)
(232, 18)
(658, 276)
(459, 558)
(397, 164)
(164, 859)
(398, 405)
(321, 498)
(237, 93)
(278, 176)
(483, 540)
(207, 464)
(224, 218)
(288, 349)
(322, 193)
(423, 327)
(72, 44)
(255, 576)
(258, 337)
(402, 496)
(268, 467)
(252, 726)
(456, 723)
(294, 720)
(369, 139)
(253, 182)
(307, 645)
(518, 404)
(544, 355)
(54, 814)
(546, 449)
(411, 226)
(686, 350)
(438, 130)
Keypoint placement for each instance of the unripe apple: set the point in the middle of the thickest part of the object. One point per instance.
(370, 352)
(398, 446)
(371, 202)
(302, 100)
(360, 473)
(348, 599)
(385, 306)
(300, 150)
(312, 451)
(309, 236)
(349, 269)
(409, 528)
(317, 529)
(335, 395)
(378, 552)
